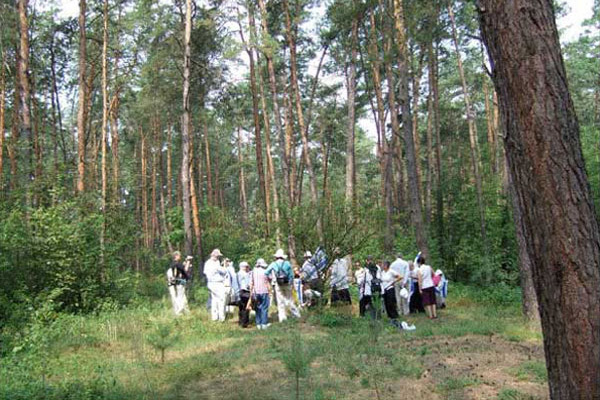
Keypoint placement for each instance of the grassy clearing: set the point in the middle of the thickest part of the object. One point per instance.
(473, 351)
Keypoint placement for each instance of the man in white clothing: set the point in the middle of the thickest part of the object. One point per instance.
(215, 278)
(400, 266)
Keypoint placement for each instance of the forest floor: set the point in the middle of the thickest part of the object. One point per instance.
(473, 351)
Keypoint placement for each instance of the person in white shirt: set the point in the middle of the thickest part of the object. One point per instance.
(232, 288)
(400, 266)
(389, 277)
(243, 278)
(339, 280)
(415, 303)
(427, 288)
(215, 278)
(363, 279)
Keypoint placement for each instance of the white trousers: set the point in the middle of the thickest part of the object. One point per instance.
(284, 301)
(401, 302)
(217, 302)
(178, 299)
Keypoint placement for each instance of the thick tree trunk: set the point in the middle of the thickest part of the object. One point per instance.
(411, 161)
(185, 131)
(551, 187)
(351, 90)
(81, 112)
(416, 97)
(429, 175)
(473, 141)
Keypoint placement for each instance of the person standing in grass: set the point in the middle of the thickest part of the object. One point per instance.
(415, 301)
(389, 278)
(310, 274)
(259, 294)
(280, 271)
(216, 275)
(176, 279)
(427, 288)
(243, 278)
(400, 266)
(339, 280)
(363, 279)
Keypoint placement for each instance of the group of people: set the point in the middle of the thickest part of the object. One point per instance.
(397, 288)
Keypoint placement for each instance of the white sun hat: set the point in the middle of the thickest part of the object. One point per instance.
(280, 254)
(261, 263)
(307, 254)
(216, 253)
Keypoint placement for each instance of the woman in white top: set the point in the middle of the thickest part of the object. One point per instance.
(363, 280)
(388, 279)
(427, 288)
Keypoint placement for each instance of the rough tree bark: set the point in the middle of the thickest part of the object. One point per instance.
(242, 180)
(350, 131)
(25, 93)
(551, 187)
(104, 134)
(185, 131)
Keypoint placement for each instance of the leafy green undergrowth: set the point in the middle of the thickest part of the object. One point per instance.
(116, 354)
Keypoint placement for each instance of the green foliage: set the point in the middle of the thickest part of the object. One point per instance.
(532, 371)
(514, 394)
(162, 338)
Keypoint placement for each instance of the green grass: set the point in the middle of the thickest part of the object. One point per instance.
(513, 394)
(110, 355)
(533, 371)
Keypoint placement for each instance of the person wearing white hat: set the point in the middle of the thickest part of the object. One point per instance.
(441, 288)
(281, 272)
(215, 278)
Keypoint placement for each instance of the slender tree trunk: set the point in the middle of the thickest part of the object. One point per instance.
(104, 135)
(350, 135)
(169, 165)
(416, 98)
(25, 93)
(209, 185)
(2, 113)
(14, 131)
(56, 111)
(290, 29)
(114, 119)
(267, 124)
(429, 175)
(491, 134)
(274, 98)
(144, 188)
(185, 131)
(411, 162)
(551, 187)
(292, 173)
(156, 148)
(242, 180)
(263, 186)
(473, 141)
(195, 210)
(82, 100)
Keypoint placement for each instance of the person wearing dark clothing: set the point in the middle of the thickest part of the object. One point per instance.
(176, 279)
(243, 277)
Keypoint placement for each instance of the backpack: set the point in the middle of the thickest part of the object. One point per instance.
(375, 282)
(281, 276)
